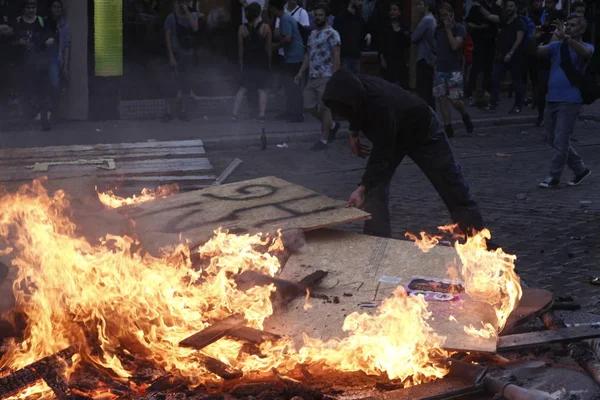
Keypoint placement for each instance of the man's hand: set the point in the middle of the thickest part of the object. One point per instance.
(448, 23)
(172, 61)
(538, 33)
(49, 42)
(368, 39)
(357, 198)
(560, 29)
(298, 78)
(383, 63)
(508, 57)
(359, 150)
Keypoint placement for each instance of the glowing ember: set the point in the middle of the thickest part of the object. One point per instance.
(118, 304)
(110, 200)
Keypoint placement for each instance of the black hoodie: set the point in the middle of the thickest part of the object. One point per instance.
(392, 118)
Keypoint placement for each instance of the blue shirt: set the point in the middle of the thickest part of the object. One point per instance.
(559, 87)
(293, 52)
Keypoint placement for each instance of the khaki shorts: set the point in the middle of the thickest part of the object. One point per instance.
(313, 93)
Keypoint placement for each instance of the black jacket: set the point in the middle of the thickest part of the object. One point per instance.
(392, 118)
(352, 30)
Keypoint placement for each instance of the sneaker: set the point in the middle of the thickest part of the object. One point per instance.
(38, 117)
(166, 118)
(515, 110)
(318, 146)
(468, 123)
(333, 132)
(539, 121)
(234, 118)
(549, 182)
(490, 107)
(579, 178)
(260, 119)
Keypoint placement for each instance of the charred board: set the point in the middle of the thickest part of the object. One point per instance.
(534, 339)
(214, 332)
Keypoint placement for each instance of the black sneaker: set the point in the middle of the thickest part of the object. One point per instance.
(515, 110)
(579, 178)
(318, 146)
(468, 123)
(333, 132)
(549, 182)
(449, 130)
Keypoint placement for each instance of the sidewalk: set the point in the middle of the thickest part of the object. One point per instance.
(220, 132)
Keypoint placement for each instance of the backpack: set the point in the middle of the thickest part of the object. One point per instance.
(588, 83)
(304, 30)
(529, 29)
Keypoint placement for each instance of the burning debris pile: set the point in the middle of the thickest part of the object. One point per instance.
(132, 321)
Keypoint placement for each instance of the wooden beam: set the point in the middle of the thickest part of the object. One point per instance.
(214, 332)
(534, 339)
(253, 335)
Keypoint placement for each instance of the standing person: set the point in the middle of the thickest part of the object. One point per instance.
(548, 15)
(448, 76)
(423, 37)
(180, 28)
(254, 52)
(393, 54)
(321, 60)
(301, 16)
(60, 50)
(398, 124)
(569, 57)
(509, 57)
(535, 12)
(293, 55)
(353, 33)
(33, 40)
(482, 24)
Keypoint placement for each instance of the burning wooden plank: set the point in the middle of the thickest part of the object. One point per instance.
(214, 332)
(48, 368)
(253, 335)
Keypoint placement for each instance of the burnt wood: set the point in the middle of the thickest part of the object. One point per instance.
(253, 335)
(214, 332)
(534, 339)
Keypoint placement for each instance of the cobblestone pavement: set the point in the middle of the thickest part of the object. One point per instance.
(553, 233)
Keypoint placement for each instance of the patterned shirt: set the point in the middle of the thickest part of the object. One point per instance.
(321, 43)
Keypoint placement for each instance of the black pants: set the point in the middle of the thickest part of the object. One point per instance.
(542, 90)
(294, 102)
(36, 88)
(483, 62)
(433, 155)
(396, 73)
(425, 82)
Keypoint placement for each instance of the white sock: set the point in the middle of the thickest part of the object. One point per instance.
(323, 141)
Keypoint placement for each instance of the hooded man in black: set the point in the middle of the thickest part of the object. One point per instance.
(398, 124)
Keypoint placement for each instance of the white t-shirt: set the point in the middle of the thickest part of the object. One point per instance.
(261, 3)
(299, 14)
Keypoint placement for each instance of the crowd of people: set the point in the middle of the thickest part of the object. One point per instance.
(36, 52)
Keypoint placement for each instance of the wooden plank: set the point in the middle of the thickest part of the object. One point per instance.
(534, 339)
(145, 167)
(253, 335)
(29, 151)
(119, 155)
(259, 205)
(356, 264)
(533, 304)
(214, 332)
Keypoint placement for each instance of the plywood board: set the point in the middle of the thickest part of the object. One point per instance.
(258, 205)
(355, 264)
(120, 164)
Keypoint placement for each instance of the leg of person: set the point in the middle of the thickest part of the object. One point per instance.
(44, 91)
(287, 81)
(263, 98)
(550, 117)
(564, 153)
(237, 103)
(488, 68)
(498, 75)
(425, 82)
(54, 77)
(473, 75)
(430, 100)
(187, 66)
(377, 203)
(542, 91)
(296, 107)
(433, 156)
(455, 95)
(440, 94)
(516, 74)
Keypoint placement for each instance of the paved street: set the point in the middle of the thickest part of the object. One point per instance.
(553, 233)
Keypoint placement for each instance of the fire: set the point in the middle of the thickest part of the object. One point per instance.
(426, 242)
(117, 304)
(110, 200)
(490, 275)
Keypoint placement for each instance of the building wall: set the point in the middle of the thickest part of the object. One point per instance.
(75, 101)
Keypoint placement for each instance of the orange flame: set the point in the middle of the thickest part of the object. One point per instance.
(110, 200)
(426, 242)
(489, 275)
(307, 305)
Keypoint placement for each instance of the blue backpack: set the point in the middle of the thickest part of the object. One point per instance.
(529, 29)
